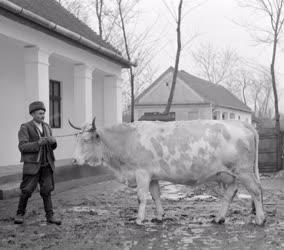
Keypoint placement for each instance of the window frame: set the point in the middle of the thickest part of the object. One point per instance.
(52, 99)
(232, 116)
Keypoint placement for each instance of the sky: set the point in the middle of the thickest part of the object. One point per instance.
(221, 23)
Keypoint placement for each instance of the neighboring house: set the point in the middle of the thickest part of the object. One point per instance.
(47, 54)
(194, 98)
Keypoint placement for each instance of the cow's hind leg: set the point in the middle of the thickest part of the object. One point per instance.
(143, 182)
(253, 211)
(155, 193)
(230, 192)
(254, 188)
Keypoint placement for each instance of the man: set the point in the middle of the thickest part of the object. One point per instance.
(36, 145)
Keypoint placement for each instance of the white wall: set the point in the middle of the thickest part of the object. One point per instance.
(204, 112)
(13, 38)
(51, 44)
(239, 115)
(61, 70)
(12, 99)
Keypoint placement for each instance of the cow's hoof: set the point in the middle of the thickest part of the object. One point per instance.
(140, 222)
(218, 221)
(157, 220)
(260, 222)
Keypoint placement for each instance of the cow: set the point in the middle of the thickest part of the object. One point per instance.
(182, 152)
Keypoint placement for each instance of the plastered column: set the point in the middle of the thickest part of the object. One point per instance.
(37, 78)
(83, 94)
(112, 100)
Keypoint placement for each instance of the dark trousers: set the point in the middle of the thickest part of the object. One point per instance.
(29, 183)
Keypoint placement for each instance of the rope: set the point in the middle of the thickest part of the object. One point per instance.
(57, 136)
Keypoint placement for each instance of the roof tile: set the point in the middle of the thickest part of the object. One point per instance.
(53, 11)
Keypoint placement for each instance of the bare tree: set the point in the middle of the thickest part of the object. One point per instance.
(273, 11)
(137, 46)
(250, 82)
(215, 65)
(106, 14)
(261, 90)
(127, 50)
(77, 8)
(170, 99)
(115, 23)
(99, 13)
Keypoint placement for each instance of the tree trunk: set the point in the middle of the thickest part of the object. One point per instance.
(244, 95)
(277, 116)
(129, 58)
(170, 99)
(99, 8)
(132, 77)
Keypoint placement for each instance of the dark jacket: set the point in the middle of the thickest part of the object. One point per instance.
(30, 149)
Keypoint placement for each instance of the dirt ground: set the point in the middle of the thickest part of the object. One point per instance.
(102, 216)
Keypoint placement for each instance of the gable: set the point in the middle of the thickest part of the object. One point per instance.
(159, 93)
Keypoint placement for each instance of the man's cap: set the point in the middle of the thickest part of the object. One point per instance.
(37, 105)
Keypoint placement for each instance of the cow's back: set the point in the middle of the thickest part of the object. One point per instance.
(184, 150)
(195, 149)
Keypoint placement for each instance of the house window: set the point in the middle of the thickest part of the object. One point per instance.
(232, 116)
(224, 116)
(216, 115)
(55, 104)
(193, 115)
(157, 116)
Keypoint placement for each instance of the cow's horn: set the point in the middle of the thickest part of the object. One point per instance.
(73, 125)
(94, 123)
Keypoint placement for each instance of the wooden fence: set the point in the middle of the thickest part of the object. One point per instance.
(267, 160)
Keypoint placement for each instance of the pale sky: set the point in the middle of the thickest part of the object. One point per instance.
(215, 22)
(218, 22)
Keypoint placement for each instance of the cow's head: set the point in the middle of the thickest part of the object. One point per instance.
(89, 146)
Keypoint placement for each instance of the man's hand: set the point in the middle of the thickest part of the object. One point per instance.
(51, 140)
(42, 141)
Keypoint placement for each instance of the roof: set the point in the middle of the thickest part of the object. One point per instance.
(54, 12)
(211, 93)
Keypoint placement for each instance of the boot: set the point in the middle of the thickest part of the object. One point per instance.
(49, 210)
(50, 219)
(19, 219)
(23, 201)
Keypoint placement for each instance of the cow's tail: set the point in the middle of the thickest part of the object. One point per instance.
(256, 168)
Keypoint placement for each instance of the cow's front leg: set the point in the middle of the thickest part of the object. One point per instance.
(143, 182)
(228, 197)
(155, 193)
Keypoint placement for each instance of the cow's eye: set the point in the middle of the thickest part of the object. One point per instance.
(97, 136)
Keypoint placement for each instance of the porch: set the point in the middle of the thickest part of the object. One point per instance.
(73, 84)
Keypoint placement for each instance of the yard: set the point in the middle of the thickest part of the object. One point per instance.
(102, 216)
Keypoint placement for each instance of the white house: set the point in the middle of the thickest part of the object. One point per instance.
(47, 54)
(194, 98)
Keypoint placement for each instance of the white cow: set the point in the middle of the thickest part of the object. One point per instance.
(183, 152)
